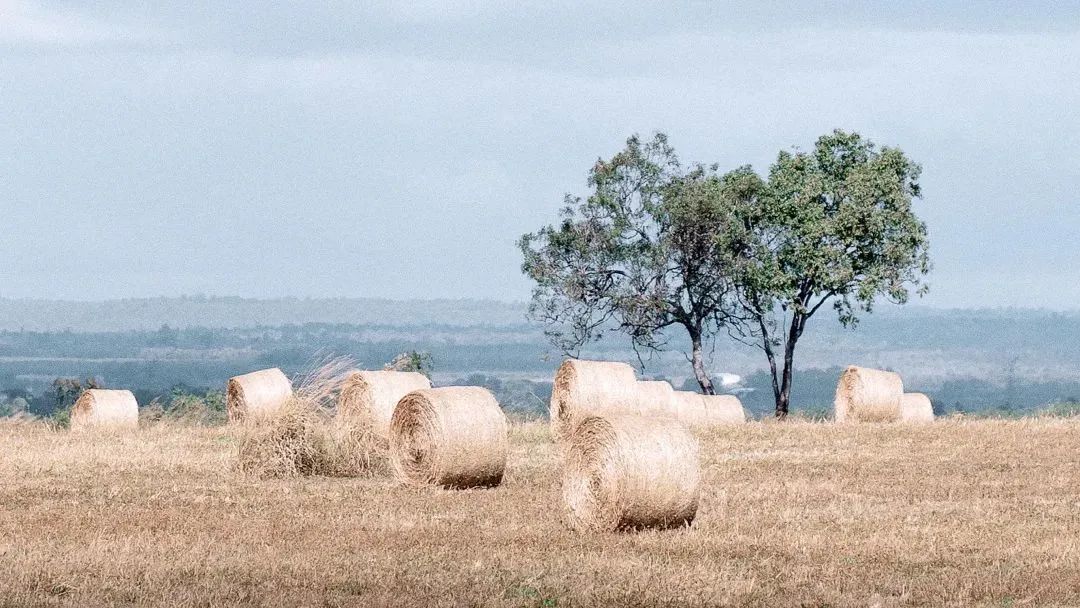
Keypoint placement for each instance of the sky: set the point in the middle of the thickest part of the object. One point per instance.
(398, 150)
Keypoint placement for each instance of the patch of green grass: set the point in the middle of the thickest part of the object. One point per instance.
(531, 596)
(62, 418)
(1062, 409)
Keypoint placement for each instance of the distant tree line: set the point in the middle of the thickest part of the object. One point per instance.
(200, 360)
(528, 399)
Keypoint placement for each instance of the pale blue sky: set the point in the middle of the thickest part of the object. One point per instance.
(228, 149)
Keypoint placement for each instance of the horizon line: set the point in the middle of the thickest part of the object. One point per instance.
(886, 306)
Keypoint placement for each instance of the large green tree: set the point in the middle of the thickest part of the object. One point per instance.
(657, 246)
(830, 225)
(648, 250)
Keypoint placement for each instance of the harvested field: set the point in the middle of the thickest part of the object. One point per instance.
(956, 512)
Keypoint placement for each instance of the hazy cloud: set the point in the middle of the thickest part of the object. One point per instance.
(28, 26)
(397, 149)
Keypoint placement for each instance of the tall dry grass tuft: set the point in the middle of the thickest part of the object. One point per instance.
(304, 437)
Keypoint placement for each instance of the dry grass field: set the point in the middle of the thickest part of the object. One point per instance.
(959, 513)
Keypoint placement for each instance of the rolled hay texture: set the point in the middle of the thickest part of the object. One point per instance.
(454, 437)
(704, 411)
(724, 409)
(627, 472)
(916, 407)
(868, 395)
(655, 398)
(105, 408)
(370, 397)
(585, 387)
(257, 395)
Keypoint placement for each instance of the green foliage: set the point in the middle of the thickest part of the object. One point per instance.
(528, 595)
(412, 361)
(66, 392)
(815, 413)
(656, 246)
(834, 224)
(1063, 409)
(207, 409)
(11, 407)
(650, 248)
(62, 418)
(520, 398)
(183, 407)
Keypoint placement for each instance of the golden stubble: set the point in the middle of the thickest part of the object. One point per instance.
(956, 512)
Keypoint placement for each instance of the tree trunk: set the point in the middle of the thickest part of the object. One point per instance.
(783, 400)
(699, 365)
(766, 342)
(783, 397)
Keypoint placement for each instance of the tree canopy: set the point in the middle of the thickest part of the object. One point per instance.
(834, 224)
(657, 246)
(647, 250)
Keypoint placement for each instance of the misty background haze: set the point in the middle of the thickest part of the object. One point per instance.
(398, 151)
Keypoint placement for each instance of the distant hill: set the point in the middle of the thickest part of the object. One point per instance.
(965, 359)
(234, 312)
(478, 335)
(943, 327)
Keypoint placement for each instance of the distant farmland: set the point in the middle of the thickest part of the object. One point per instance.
(970, 360)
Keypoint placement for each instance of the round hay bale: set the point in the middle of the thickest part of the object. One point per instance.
(257, 394)
(704, 411)
(371, 396)
(724, 409)
(585, 387)
(454, 437)
(868, 395)
(105, 408)
(916, 407)
(626, 472)
(689, 407)
(655, 398)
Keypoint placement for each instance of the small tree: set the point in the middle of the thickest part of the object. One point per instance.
(68, 390)
(651, 248)
(412, 361)
(831, 225)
